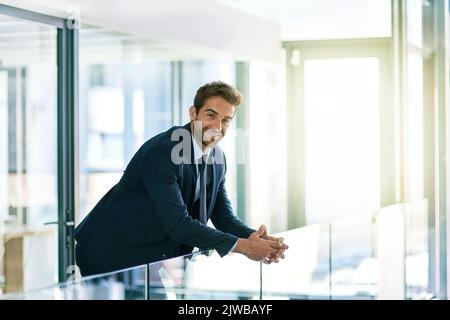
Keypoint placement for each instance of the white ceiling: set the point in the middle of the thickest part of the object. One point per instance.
(323, 19)
(239, 29)
(207, 28)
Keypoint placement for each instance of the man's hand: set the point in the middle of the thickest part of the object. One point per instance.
(260, 249)
(262, 233)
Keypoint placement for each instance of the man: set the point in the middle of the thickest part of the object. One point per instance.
(169, 190)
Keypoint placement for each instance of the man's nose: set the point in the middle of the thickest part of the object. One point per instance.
(217, 124)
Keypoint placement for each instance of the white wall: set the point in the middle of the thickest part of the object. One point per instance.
(267, 147)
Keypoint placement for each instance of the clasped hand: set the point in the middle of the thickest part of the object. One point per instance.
(262, 247)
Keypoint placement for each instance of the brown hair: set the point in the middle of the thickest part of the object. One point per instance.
(217, 88)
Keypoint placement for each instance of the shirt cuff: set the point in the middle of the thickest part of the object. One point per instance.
(233, 247)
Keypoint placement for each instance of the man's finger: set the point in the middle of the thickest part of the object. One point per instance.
(274, 238)
(261, 231)
(275, 244)
(281, 242)
(264, 232)
(273, 256)
(285, 246)
(278, 245)
(280, 254)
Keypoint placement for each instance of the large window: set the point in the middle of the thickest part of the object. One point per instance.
(125, 99)
(121, 106)
(28, 154)
(341, 138)
(341, 141)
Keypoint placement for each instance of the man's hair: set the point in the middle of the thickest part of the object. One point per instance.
(217, 89)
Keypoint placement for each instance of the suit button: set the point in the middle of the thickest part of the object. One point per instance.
(164, 256)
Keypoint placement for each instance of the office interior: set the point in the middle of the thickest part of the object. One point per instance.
(339, 145)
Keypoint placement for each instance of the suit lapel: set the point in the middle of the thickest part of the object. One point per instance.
(192, 169)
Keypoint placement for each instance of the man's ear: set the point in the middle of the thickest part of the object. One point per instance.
(192, 113)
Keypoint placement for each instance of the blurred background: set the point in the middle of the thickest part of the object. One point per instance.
(344, 126)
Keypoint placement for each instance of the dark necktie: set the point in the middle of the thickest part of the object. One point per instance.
(203, 212)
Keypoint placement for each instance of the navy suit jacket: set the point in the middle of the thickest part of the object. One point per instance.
(147, 216)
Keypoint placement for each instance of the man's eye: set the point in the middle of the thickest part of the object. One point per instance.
(210, 115)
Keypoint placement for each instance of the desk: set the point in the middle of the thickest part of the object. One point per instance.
(30, 257)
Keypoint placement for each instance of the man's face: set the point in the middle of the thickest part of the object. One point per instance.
(215, 116)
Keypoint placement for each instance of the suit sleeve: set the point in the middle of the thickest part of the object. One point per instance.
(160, 177)
(223, 217)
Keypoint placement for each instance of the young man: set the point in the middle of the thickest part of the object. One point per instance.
(171, 187)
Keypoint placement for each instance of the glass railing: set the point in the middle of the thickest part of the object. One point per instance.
(383, 256)
(305, 272)
(353, 266)
(129, 284)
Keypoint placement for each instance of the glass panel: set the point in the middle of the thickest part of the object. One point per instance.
(354, 269)
(134, 93)
(390, 252)
(205, 276)
(416, 251)
(197, 276)
(402, 251)
(127, 284)
(305, 271)
(28, 154)
(341, 138)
